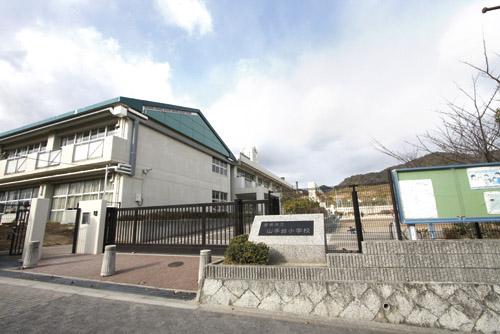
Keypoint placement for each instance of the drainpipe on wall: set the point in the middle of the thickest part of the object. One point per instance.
(105, 182)
(133, 146)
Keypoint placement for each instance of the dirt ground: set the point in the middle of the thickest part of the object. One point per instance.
(58, 234)
(4, 232)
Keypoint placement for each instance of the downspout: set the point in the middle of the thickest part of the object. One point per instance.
(133, 146)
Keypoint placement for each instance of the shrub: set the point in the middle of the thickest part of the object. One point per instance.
(459, 231)
(242, 251)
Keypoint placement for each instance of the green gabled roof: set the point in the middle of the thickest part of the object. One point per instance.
(187, 121)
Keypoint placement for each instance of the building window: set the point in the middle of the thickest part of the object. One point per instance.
(219, 166)
(218, 196)
(248, 177)
(27, 149)
(67, 195)
(88, 135)
(10, 199)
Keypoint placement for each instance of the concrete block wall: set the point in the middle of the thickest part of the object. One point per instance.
(429, 261)
(462, 246)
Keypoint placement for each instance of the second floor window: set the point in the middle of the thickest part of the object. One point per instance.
(248, 177)
(27, 149)
(219, 166)
(88, 135)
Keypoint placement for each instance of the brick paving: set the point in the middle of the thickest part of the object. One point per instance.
(141, 269)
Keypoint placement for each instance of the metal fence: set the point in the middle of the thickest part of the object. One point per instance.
(18, 232)
(367, 213)
(480, 230)
(189, 226)
(359, 213)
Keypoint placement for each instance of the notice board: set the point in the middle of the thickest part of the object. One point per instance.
(448, 194)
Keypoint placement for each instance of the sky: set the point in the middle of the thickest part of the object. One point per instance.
(312, 84)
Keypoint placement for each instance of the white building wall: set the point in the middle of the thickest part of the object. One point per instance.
(179, 173)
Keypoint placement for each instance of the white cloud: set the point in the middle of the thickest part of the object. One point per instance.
(46, 71)
(314, 118)
(190, 15)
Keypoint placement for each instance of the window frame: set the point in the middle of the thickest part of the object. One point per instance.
(219, 166)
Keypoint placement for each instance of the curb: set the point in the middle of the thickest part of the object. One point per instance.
(100, 285)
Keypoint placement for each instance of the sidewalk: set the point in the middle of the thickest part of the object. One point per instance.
(173, 272)
(27, 306)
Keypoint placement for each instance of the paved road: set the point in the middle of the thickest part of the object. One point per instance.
(31, 309)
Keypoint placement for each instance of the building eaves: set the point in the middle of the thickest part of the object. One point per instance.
(216, 143)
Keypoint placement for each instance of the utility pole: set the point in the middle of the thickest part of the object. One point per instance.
(487, 9)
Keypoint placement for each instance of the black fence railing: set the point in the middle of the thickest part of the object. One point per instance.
(367, 213)
(18, 232)
(183, 226)
(360, 213)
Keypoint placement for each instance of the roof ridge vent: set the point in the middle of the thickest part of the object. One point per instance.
(168, 110)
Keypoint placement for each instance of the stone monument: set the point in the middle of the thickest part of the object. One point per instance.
(291, 238)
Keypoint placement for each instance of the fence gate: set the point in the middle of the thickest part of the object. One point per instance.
(18, 232)
(181, 228)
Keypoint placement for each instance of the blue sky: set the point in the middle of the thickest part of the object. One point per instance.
(310, 83)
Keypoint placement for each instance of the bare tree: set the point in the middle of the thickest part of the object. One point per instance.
(408, 156)
(468, 132)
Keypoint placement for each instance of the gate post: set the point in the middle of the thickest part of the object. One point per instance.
(239, 217)
(395, 207)
(36, 221)
(110, 227)
(269, 203)
(357, 218)
(75, 231)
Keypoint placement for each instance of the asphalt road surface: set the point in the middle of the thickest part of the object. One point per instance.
(36, 309)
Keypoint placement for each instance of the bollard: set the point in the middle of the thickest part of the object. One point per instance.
(205, 258)
(31, 256)
(108, 261)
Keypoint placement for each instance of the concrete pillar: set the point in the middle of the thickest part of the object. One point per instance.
(205, 258)
(109, 261)
(37, 221)
(413, 232)
(31, 254)
(91, 228)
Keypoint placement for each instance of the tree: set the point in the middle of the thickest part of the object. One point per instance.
(468, 132)
(301, 205)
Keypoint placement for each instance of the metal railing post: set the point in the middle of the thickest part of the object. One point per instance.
(75, 231)
(204, 225)
(239, 217)
(134, 236)
(357, 218)
(477, 228)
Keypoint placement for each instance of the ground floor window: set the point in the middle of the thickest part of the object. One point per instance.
(67, 195)
(9, 199)
(218, 196)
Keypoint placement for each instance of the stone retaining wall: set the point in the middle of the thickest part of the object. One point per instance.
(445, 284)
(465, 307)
